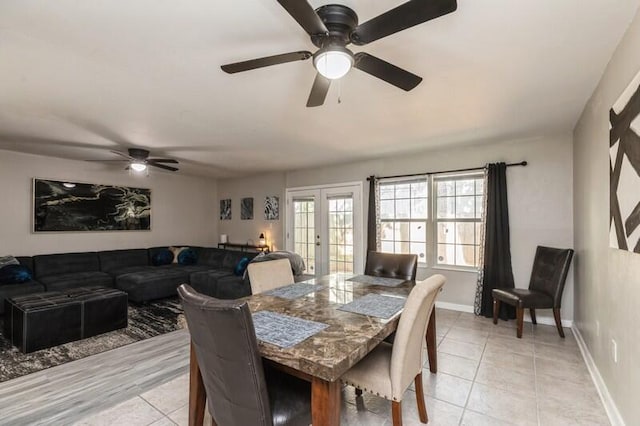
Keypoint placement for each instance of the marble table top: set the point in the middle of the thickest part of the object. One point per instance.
(349, 337)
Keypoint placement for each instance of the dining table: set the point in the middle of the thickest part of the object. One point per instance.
(325, 356)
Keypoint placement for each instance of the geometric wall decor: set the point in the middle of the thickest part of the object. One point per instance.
(624, 169)
(72, 206)
(271, 207)
(225, 209)
(246, 209)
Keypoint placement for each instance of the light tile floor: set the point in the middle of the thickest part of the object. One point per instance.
(486, 376)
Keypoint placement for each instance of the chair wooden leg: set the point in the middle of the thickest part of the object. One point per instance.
(520, 320)
(396, 413)
(532, 312)
(556, 315)
(358, 392)
(422, 408)
(496, 310)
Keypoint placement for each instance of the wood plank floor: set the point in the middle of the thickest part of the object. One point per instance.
(69, 392)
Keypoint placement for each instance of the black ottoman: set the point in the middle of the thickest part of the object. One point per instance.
(42, 320)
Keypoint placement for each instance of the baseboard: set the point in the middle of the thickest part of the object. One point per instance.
(527, 318)
(454, 307)
(609, 405)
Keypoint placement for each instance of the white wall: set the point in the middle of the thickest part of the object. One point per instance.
(540, 199)
(607, 280)
(182, 207)
(258, 187)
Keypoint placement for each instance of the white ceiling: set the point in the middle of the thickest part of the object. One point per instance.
(81, 77)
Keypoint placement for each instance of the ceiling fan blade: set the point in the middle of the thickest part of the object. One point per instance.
(319, 91)
(266, 61)
(122, 154)
(407, 15)
(162, 160)
(162, 166)
(109, 161)
(304, 14)
(386, 71)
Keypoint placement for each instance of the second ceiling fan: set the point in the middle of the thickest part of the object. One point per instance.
(332, 27)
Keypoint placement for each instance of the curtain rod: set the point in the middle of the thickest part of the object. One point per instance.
(522, 163)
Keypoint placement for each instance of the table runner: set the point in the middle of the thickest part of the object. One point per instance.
(375, 305)
(383, 281)
(283, 330)
(293, 291)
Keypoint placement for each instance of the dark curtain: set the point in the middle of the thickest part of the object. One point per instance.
(372, 226)
(497, 248)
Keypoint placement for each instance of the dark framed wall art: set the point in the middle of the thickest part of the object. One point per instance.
(624, 166)
(272, 207)
(225, 209)
(246, 209)
(73, 206)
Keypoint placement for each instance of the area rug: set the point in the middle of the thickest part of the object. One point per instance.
(145, 321)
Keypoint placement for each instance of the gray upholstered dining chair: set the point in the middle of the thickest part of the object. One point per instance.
(388, 369)
(241, 389)
(548, 276)
(391, 265)
(265, 276)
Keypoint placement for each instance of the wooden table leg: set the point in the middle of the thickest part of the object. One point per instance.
(325, 402)
(432, 344)
(197, 395)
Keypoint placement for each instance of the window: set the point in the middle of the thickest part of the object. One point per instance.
(404, 211)
(459, 204)
(341, 234)
(442, 229)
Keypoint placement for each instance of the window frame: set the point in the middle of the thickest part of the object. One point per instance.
(434, 179)
(431, 232)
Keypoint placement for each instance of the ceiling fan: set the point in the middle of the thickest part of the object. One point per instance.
(139, 160)
(332, 27)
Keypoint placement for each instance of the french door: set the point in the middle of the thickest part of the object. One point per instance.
(324, 226)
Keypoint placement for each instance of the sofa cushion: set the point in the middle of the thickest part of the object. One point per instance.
(241, 266)
(152, 284)
(15, 274)
(67, 263)
(233, 287)
(206, 282)
(14, 290)
(212, 257)
(162, 257)
(187, 257)
(186, 268)
(176, 252)
(129, 270)
(26, 261)
(118, 259)
(232, 257)
(76, 279)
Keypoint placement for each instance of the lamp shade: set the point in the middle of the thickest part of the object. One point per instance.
(333, 62)
(261, 239)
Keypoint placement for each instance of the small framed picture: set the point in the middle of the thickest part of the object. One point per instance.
(246, 209)
(272, 207)
(225, 209)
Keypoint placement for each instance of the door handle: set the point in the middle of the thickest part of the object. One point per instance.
(318, 243)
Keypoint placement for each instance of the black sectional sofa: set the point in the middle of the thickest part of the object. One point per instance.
(133, 271)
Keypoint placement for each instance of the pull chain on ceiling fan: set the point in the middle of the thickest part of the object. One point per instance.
(332, 27)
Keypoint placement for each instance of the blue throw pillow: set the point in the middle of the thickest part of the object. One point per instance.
(241, 266)
(15, 274)
(187, 257)
(163, 257)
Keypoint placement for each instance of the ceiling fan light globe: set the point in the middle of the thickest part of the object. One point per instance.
(138, 167)
(333, 63)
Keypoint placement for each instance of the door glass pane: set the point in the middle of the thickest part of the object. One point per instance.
(304, 233)
(341, 234)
